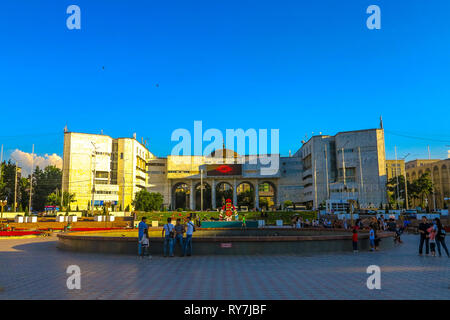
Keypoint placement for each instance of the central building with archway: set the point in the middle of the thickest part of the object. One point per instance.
(206, 182)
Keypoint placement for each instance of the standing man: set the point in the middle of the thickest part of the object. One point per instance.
(142, 227)
(190, 228)
(179, 231)
(168, 234)
(424, 236)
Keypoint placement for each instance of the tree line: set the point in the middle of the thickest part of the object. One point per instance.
(46, 188)
(417, 190)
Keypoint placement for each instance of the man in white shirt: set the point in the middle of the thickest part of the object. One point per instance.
(190, 228)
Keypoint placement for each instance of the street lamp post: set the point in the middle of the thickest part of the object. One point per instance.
(93, 178)
(107, 204)
(3, 203)
(406, 182)
(201, 190)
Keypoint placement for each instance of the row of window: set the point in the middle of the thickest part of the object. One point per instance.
(106, 192)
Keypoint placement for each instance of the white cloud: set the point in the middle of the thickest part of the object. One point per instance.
(25, 160)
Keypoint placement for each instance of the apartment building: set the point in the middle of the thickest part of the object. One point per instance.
(101, 170)
(347, 166)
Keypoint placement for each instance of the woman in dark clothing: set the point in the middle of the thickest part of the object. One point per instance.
(440, 237)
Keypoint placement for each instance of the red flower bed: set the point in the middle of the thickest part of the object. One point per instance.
(94, 229)
(84, 229)
(17, 233)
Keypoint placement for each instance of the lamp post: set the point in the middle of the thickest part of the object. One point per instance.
(94, 155)
(406, 182)
(201, 190)
(107, 204)
(2, 204)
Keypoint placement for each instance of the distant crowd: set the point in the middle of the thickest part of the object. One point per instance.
(432, 233)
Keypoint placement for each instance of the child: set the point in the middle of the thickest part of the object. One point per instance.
(372, 238)
(298, 225)
(432, 233)
(244, 226)
(398, 233)
(145, 244)
(355, 240)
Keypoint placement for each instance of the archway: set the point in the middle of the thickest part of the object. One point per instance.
(206, 197)
(181, 195)
(224, 191)
(245, 195)
(445, 182)
(267, 195)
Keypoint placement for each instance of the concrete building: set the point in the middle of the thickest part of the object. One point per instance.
(395, 168)
(101, 170)
(225, 174)
(347, 166)
(439, 171)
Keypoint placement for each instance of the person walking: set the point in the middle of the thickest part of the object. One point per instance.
(424, 236)
(432, 236)
(298, 223)
(179, 232)
(141, 228)
(372, 238)
(145, 243)
(440, 237)
(168, 234)
(190, 228)
(244, 226)
(355, 240)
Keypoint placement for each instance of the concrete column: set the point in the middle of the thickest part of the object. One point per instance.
(213, 194)
(277, 195)
(192, 196)
(171, 197)
(234, 193)
(257, 194)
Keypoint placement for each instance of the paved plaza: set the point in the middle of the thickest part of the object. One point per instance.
(36, 269)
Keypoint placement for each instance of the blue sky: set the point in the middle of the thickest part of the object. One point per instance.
(296, 66)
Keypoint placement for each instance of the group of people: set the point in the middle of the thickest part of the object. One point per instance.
(432, 234)
(172, 235)
(374, 240)
(299, 223)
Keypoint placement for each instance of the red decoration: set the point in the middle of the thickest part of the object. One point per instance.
(224, 168)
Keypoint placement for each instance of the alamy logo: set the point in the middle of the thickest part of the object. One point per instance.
(374, 20)
(374, 280)
(74, 280)
(74, 20)
(258, 145)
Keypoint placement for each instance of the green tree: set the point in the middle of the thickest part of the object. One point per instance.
(287, 203)
(245, 198)
(54, 199)
(8, 174)
(44, 183)
(422, 188)
(24, 192)
(146, 201)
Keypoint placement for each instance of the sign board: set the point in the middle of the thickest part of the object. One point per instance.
(221, 170)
